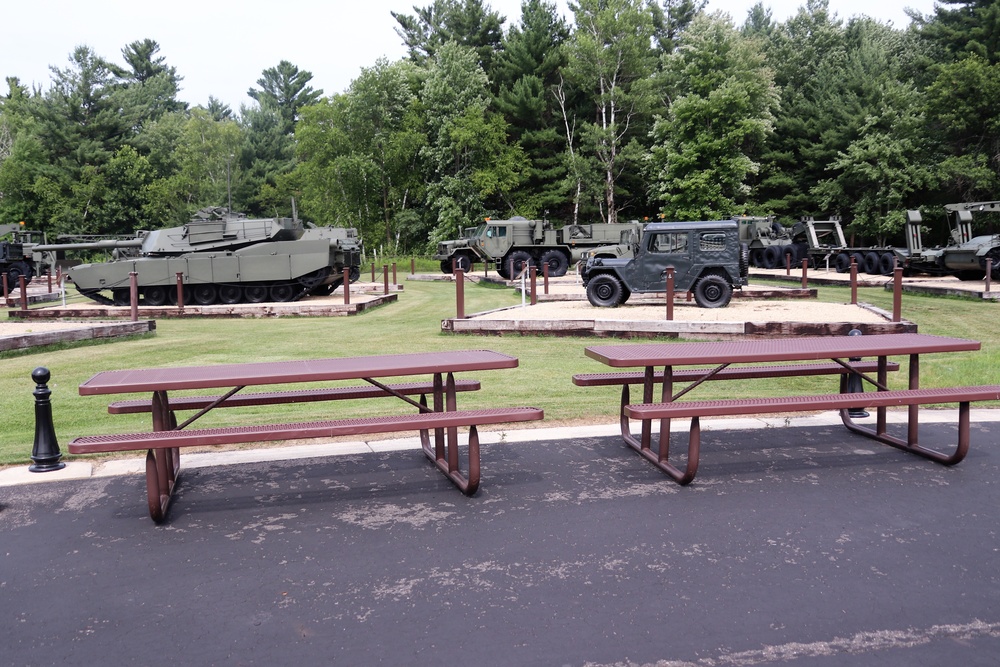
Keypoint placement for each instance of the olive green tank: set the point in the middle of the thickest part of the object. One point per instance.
(222, 258)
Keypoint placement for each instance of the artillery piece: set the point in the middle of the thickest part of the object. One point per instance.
(222, 258)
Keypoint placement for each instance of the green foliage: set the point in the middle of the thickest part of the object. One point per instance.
(721, 113)
(285, 89)
(465, 22)
(963, 28)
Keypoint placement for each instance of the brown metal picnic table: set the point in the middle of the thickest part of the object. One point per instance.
(722, 354)
(441, 415)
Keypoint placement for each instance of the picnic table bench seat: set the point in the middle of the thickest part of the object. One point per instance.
(844, 402)
(162, 456)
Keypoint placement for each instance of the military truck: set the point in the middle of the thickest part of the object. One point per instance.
(16, 257)
(520, 243)
(707, 257)
(771, 244)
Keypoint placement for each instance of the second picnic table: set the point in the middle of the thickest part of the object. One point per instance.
(840, 353)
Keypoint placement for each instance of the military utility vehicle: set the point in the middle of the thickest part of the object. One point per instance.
(521, 243)
(707, 257)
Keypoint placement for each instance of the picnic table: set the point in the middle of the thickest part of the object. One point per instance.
(771, 357)
(441, 415)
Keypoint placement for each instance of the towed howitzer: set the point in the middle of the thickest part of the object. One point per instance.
(222, 259)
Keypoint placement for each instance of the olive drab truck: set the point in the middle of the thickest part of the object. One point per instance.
(518, 243)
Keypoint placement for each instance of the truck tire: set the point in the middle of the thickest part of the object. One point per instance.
(463, 262)
(521, 260)
(871, 263)
(757, 258)
(772, 254)
(886, 263)
(744, 260)
(445, 266)
(789, 256)
(842, 262)
(557, 261)
(15, 271)
(605, 291)
(712, 291)
(859, 259)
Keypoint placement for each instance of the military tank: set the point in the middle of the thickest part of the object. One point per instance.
(222, 258)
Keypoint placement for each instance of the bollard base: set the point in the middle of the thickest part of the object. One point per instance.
(46, 467)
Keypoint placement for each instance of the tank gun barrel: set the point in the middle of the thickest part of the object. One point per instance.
(974, 206)
(89, 245)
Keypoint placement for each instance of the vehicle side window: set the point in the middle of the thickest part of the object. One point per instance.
(669, 242)
(497, 232)
(712, 242)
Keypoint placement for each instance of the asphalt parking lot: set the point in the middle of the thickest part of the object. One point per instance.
(798, 545)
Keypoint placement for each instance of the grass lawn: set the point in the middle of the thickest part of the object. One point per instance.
(543, 378)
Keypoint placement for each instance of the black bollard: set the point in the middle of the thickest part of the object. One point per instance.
(855, 385)
(45, 452)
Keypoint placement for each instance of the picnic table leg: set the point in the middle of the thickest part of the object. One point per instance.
(162, 465)
(445, 451)
(665, 396)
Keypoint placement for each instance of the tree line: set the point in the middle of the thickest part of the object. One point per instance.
(627, 109)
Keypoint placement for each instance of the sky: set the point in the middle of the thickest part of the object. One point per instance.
(221, 48)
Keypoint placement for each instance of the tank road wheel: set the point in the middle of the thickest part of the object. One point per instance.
(521, 261)
(122, 296)
(605, 291)
(842, 262)
(324, 290)
(557, 261)
(712, 291)
(188, 295)
(230, 294)
(155, 296)
(282, 292)
(204, 294)
(772, 254)
(255, 293)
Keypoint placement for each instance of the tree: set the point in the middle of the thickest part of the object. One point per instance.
(358, 156)
(610, 58)
(286, 90)
(526, 71)
(468, 154)
(465, 22)
(721, 112)
(963, 27)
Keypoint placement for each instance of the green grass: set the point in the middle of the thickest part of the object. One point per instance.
(543, 378)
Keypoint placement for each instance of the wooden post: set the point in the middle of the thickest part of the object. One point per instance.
(460, 294)
(6, 291)
(180, 292)
(533, 276)
(854, 282)
(805, 274)
(897, 294)
(385, 279)
(670, 293)
(347, 285)
(545, 278)
(373, 271)
(788, 263)
(24, 293)
(989, 273)
(133, 295)
(413, 266)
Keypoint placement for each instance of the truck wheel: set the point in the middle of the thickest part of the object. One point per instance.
(744, 260)
(445, 266)
(757, 258)
(557, 261)
(886, 263)
(605, 291)
(712, 291)
(15, 271)
(521, 261)
(871, 263)
(789, 256)
(463, 262)
(771, 256)
(842, 262)
(859, 259)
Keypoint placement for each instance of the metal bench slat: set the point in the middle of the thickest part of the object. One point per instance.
(135, 406)
(301, 430)
(728, 373)
(745, 406)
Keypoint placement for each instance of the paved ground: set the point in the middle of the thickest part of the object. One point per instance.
(798, 545)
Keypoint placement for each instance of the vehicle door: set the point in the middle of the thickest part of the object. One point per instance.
(663, 249)
(495, 240)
